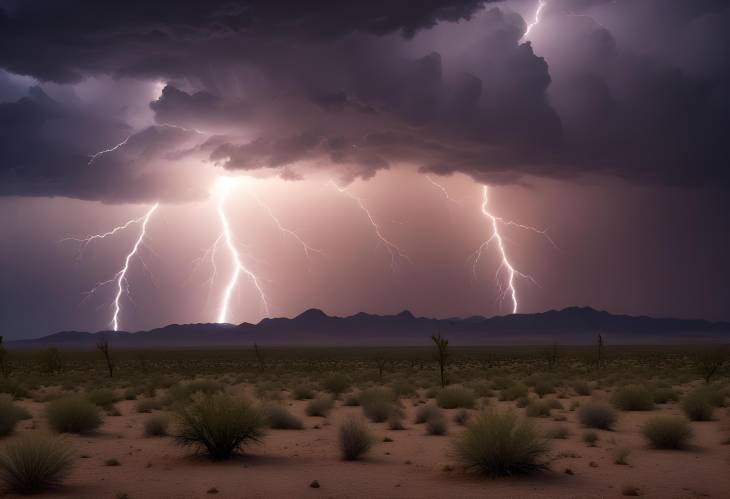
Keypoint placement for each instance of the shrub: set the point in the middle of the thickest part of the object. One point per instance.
(554, 403)
(279, 418)
(513, 392)
(403, 388)
(597, 415)
(557, 431)
(13, 388)
(667, 432)
(454, 397)
(499, 444)
(130, 394)
(319, 407)
(148, 405)
(34, 464)
(425, 412)
(102, 397)
(523, 402)
(352, 400)
(219, 424)
(620, 455)
(355, 439)
(538, 409)
(633, 398)
(436, 425)
(543, 388)
(10, 414)
(697, 406)
(73, 415)
(590, 437)
(156, 426)
(395, 421)
(461, 417)
(662, 395)
(482, 389)
(336, 384)
(378, 403)
(183, 392)
(302, 392)
(582, 388)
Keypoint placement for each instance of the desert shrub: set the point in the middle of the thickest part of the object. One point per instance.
(148, 405)
(513, 392)
(268, 390)
(432, 392)
(355, 439)
(395, 421)
(453, 397)
(498, 444)
(437, 425)
(302, 392)
(482, 389)
(597, 415)
(538, 409)
(543, 388)
(319, 407)
(633, 398)
(502, 382)
(557, 432)
(13, 387)
(554, 403)
(10, 414)
(667, 432)
(156, 426)
(102, 397)
(697, 406)
(462, 416)
(620, 455)
(403, 388)
(131, 393)
(34, 464)
(279, 418)
(352, 400)
(523, 402)
(218, 424)
(73, 415)
(582, 388)
(336, 384)
(183, 392)
(425, 412)
(662, 395)
(590, 437)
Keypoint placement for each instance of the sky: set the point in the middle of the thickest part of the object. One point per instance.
(265, 157)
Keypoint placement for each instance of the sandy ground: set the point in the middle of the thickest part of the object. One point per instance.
(414, 465)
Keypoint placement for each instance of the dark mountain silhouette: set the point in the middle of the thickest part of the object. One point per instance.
(574, 325)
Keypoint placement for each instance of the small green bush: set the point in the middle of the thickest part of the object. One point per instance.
(10, 414)
(34, 464)
(355, 439)
(302, 392)
(425, 412)
(697, 406)
(454, 397)
(156, 426)
(319, 407)
(513, 392)
(633, 398)
(667, 432)
(437, 425)
(218, 424)
(462, 416)
(582, 388)
(279, 418)
(102, 397)
(147, 405)
(336, 384)
(73, 415)
(543, 388)
(403, 388)
(597, 415)
(538, 409)
(662, 395)
(183, 392)
(590, 437)
(499, 444)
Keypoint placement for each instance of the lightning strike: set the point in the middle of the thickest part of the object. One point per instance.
(238, 266)
(393, 249)
(442, 189)
(540, 5)
(85, 241)
(106, 151)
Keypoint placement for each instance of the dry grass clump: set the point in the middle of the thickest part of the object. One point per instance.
(513, 392)
(73, 415)
(543, 388)
(336, 384)
(425, 412)
(10, 414)
(462, 416)
(667, 432)
(34, 464)
(698, 406)
(355, 439)
(279, 418)
(437, 425)
(597, 415)
(557, 432)
(319, 407)
(582, 387)
(218, 424)
(156, 426)
(633, 398)
(664, 394)
(538, 409)
(183, 392)
(302, 392)
(454, 397)
(590, 437)
(499, 444)
(102, 397)
(403, 388)
(147, 405)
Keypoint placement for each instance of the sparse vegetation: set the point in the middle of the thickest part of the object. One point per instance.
(633, 398)
(590, 437)
(319, 407)
(697, 405)
(355, 439)
(597, 415)
(336, 384)
(437, 425)
(538, 409)
(73, 415)
(667, 432)
(455, 397)
(279, 418)
(10, 415)
(425, 412)
(34, 464)
(156, 426)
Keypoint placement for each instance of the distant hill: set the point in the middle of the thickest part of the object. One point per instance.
(574, 325)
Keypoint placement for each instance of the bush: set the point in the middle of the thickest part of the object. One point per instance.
(513, 392)
(597, 415)
(319, 407)
(395, 421)
(697, 406)
(538, 409)
(590, 437)
(336, 384)
(13, 388)
(620, 455)
(219, 424)
(633, 398)
(378, 403)
(156, 426)
(499, 444)
(403, 388)
(667, 432)
(10, 414)
(662, 395)
(425, 412)
(302, 392)
(543, 388)
(279, 418)
(557, 431)
(102, 397)
(355, 439)
(454, 397)
(73, 415)
(461, 417)
(34, 464)
(148, 405)
(582, 388)
(437, 425)
(482, 389)
(183, 392)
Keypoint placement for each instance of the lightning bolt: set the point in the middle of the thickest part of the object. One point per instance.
(106, 151)
(85, 241)
(238, 266)
(393, 249)
(442, 189)
(540, 5)
(512, 272)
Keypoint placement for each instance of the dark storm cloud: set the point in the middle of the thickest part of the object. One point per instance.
(633, 89)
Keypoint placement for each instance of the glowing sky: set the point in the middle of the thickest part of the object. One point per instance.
(358, 139)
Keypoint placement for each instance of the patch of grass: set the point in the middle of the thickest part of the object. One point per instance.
(183, 392)
(582, 387)
(395, 422)
(219, 424)
(667, 432)
(697, 406)
(156, 426)
(403, 388)
(279, 418)
(378, 403)
(499, 444)
(454, 397)
(355, 439)
(319, 407)
(538, 409)
(633, 398)
(73, 415)
(597, 415)
(34, 464)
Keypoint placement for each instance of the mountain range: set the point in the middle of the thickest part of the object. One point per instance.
(573, 325)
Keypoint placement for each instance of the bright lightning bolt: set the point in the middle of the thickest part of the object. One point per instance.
(540, 5)
(238, 267)
(393, 249)
(106, 151)
(85, 241)
(442, 189)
